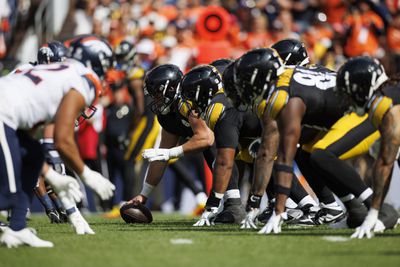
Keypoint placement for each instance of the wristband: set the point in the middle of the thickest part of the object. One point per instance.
(282, 190)
(214, 200)
(85, 173)
(176, 152)
(146, 189)
(283, 168)
(253, 202)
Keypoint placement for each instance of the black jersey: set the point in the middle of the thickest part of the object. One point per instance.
(315, 86)
(230, 126)
(175, 123)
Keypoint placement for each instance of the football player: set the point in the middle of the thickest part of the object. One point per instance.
(364, 81)
(161, 87)
(303, 97)
(58, 92)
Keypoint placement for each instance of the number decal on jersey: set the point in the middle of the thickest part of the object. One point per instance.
(320, 80)
(36, 79)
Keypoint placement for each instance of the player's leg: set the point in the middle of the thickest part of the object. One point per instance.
(350, 136)
(45, 200)
(12, 193)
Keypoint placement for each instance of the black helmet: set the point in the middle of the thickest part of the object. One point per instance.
(358, 78)
(255, 72)
(53, 51)
(292, 52)
(124, 55)
(161, 85)
(221, 64)
(93, 52)
(229, 85)
(199, 86)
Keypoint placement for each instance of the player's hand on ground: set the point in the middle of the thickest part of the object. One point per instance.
(101, 185)
(366, 228)
(138, 199)
(250, 221)
(64, 185)
(274, 224)
(80, 224)
(207, 218)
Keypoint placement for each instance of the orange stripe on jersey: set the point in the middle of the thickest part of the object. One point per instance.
(97, 86)
(379, 107)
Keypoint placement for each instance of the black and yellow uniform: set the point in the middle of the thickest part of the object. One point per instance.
(382, 101)
(146, 131)
(346, 135)
(340, 137)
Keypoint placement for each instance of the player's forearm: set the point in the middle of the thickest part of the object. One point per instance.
(381, 181)
(265, 158)
(198, 142)
(223, 169)
(155, 172)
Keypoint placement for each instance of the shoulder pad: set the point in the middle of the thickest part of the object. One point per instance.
(284, 78)
(276, 103)
(378, 109)
(213, 113)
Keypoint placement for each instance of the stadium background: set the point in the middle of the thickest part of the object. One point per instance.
(176, 31)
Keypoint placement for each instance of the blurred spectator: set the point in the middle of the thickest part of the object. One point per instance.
(364, 27)
(83, 16)
(393, 40)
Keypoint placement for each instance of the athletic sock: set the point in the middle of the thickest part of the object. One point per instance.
(46, 201)
(232, 193)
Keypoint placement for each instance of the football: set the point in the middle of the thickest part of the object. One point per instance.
(136, 213)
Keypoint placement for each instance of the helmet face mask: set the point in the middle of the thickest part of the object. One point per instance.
(255, 73)
(358, 79)
(161, 86)
(199, 86)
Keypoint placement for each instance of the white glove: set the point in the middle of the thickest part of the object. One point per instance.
(80, 224)
(250, 221)
(207, 218)
(274, 224)
(162, 154)
(366, 228)
(101, 185)
(64, 185)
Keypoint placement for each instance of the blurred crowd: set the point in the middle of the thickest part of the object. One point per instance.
(183, 33)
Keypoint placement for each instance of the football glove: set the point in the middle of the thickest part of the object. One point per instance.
(250, 221)
(207, 218)
(367, 227)
(99, 184)
(162, 154)
(80, 224)
(274, 224)
(64, 184)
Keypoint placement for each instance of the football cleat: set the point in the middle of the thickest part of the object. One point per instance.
(307, 217)
(327, 215)
(63, 215)
(26, 236)
(113, 213)
(53, 216)
(267, 212)
(233, 212)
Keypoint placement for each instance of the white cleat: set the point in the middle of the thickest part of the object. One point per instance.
(80, 224)
(26, 236)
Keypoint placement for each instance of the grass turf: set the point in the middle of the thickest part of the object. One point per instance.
(119, 244)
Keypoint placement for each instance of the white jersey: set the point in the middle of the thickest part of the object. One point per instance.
(32, 96)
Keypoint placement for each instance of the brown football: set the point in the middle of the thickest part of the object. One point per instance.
(136, 213)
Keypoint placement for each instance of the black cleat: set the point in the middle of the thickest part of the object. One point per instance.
(63, 215)
(233, 212)
(264, 216)
(53, 216)
(329, 215)
(306, 218)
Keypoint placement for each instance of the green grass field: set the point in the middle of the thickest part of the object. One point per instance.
(119, 244)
